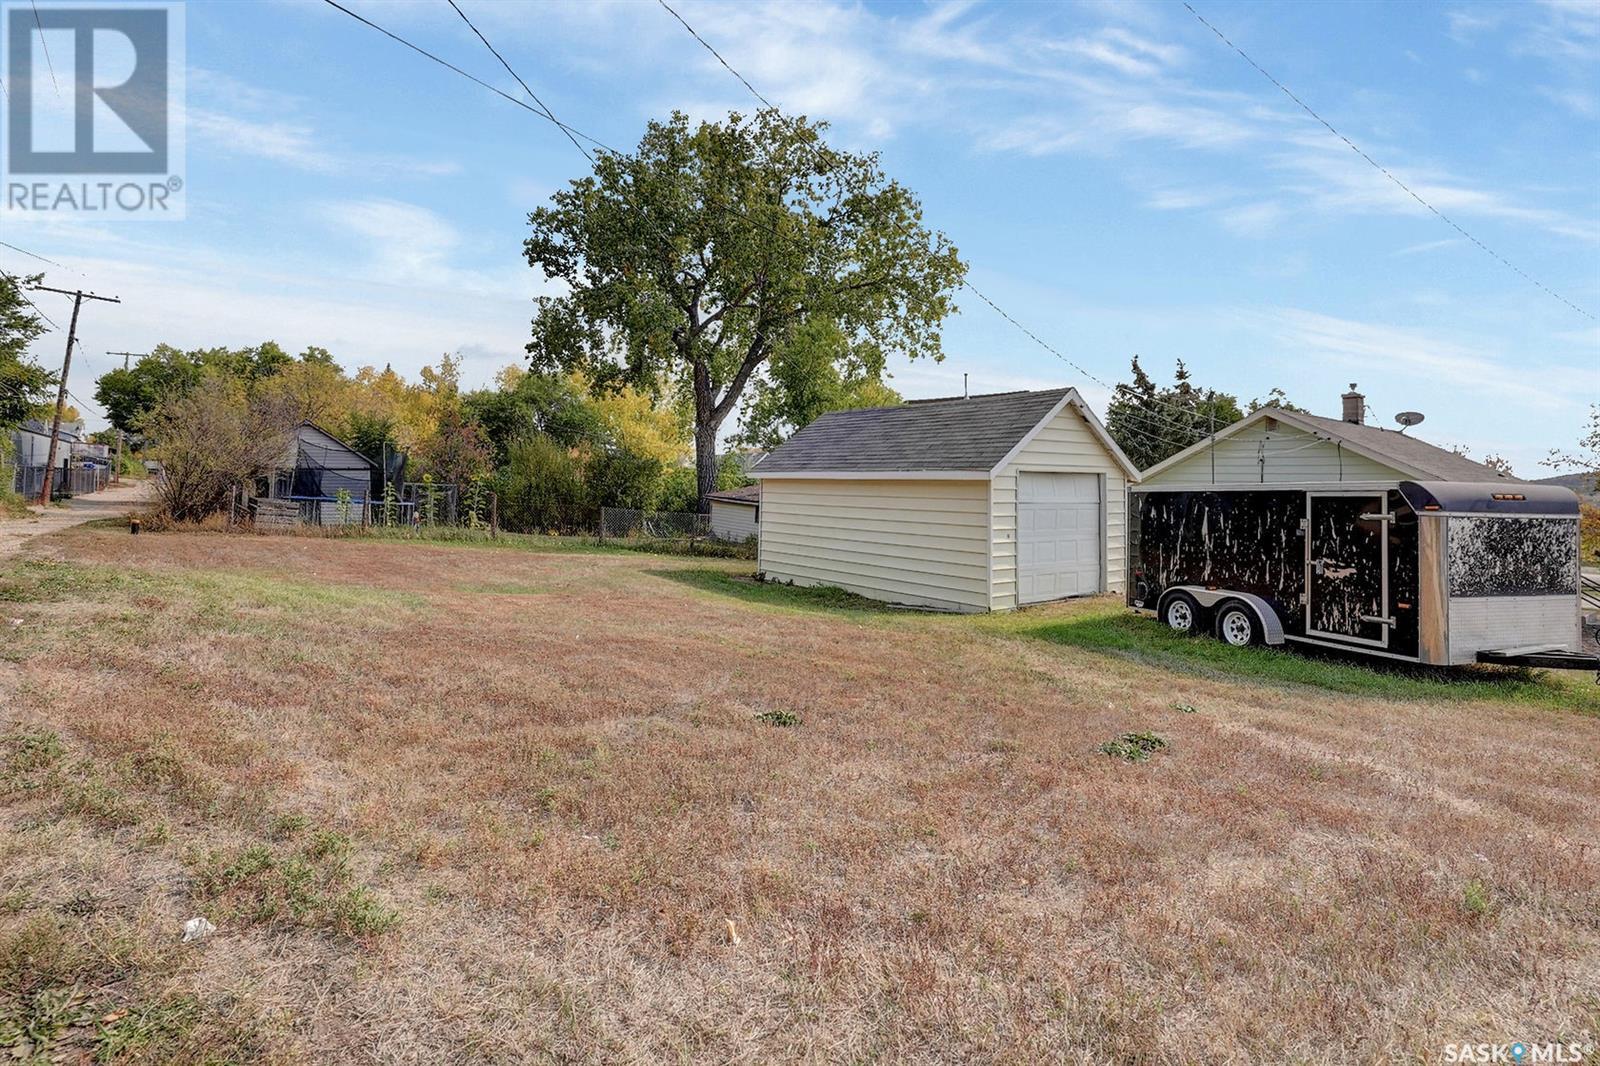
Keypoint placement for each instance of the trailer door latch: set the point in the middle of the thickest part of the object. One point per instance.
(1377, 620)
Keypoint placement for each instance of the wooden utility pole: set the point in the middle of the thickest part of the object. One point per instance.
(78, 296)
(116, 471)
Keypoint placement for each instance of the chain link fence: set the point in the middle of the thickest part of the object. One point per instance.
(27, 480)
(624, 523)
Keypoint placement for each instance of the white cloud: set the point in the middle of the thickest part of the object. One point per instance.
(1426, 360)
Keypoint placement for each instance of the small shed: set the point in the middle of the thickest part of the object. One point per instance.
(981, 503)
(316, 467)
(736, 513)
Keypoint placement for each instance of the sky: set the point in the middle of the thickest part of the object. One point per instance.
(1120, 181)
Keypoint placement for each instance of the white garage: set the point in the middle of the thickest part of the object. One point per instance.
(965, 504)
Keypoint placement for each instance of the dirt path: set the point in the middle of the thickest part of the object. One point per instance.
(113, 501)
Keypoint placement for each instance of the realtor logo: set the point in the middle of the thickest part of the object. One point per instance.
(94, 110)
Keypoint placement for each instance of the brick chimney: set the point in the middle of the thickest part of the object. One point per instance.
(1354, 405)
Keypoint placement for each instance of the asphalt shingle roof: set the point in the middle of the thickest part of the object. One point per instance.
(924, 435)
(742, 494)
(1435, 462)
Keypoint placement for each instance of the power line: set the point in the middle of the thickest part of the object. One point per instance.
(33, 255)
(1380, 168)
(46, 46)
(543, 112)
(16, 281)
(728, 67)
(965, 283)
(570, 131)
(547, 112)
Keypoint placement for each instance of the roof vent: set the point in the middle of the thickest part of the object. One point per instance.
(1354, 404)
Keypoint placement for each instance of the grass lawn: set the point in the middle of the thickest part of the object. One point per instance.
(462, 802)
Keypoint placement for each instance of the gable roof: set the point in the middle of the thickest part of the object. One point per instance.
(1410, 456)
(949, 437)
(300, 443)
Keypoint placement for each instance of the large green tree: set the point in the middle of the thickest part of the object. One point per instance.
(1151, 422)
(817, 371)
(24, 385)
(695, 258)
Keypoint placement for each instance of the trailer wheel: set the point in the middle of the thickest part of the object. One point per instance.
(1181, 613)
(1237, 625)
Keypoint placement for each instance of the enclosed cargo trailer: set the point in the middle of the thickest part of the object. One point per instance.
(1427, 571)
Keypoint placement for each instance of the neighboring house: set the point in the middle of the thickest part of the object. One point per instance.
(965, 504)
(736, 513)
(1278, 447)
(31, 441)
(317, 465)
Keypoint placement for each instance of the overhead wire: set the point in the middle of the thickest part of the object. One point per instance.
(1052, 349)
(1380, 168)
(542, 111)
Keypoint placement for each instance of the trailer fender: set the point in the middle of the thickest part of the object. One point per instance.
(1271, 624)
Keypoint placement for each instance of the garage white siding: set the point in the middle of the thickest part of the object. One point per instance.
(1058, 535)
(1283, 455)
(733, 521)
(1065, 445)
(924, 543)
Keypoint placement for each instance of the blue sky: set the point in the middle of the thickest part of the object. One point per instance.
(1118, 179)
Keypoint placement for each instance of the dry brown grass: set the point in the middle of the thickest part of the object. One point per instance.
(551, 769)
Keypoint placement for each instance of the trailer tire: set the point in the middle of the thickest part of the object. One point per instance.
(1180, 612)
(1237, 625)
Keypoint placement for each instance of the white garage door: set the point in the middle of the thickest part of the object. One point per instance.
(1058, 536)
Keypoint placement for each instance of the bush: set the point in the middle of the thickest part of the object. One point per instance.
(208, 440)
(541, 487)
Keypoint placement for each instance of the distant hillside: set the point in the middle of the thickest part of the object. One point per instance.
(1582, 484)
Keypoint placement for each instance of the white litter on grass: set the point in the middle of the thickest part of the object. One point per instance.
(197, 928)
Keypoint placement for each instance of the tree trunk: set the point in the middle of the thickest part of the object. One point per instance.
(705, 464)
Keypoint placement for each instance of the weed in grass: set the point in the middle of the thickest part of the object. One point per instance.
(30, 1026)
(28, 752)
(309, 887)
(1185, 708)
(781, 718)
(285, 826)
(1134, 747)
(1475, 898)
(151, 1032)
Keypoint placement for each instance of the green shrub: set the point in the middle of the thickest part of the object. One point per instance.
(1134, 747)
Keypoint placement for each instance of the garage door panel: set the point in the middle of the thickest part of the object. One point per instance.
(1058, 535)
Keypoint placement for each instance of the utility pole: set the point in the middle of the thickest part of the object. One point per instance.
(78, 296)
(116, 471)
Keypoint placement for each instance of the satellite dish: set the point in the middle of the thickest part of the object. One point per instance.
(1407, 419)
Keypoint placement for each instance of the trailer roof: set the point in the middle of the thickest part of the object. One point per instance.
(1490, 497)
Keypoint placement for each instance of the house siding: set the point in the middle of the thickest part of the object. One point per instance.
(1281, 456)
(924, 543)
(733, 521)
(1065, 445)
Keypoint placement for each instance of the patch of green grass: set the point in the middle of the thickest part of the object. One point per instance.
(151, 1032)
(27, 755)
(1119, 632)
(306, 887)
(1475, 898)
(781, 718)
(1134, 747)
